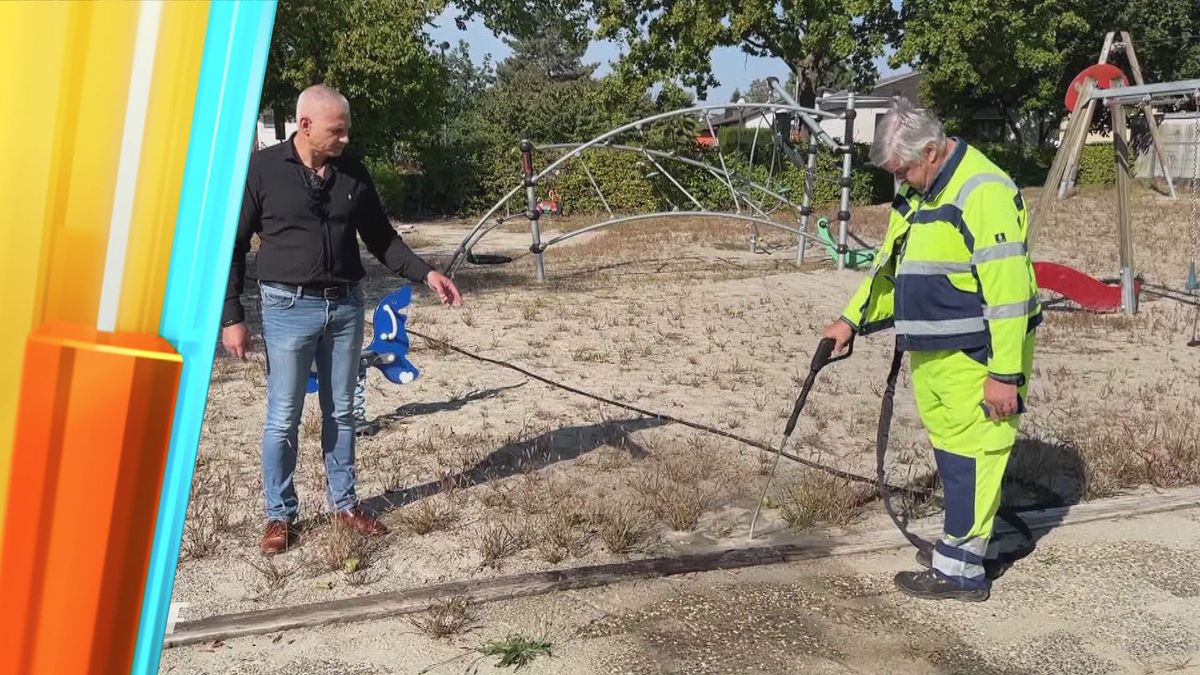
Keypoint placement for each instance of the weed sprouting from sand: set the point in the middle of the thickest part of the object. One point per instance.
(444, 618)
(516, 650)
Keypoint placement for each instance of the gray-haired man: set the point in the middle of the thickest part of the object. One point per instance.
(954, 278)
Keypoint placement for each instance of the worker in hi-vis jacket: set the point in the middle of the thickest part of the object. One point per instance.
(954, 278)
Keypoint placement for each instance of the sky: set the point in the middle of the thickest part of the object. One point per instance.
(733, 68)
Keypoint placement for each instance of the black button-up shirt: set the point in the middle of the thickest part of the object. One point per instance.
(307, 225)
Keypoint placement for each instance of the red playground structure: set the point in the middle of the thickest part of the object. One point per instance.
(1088, 292)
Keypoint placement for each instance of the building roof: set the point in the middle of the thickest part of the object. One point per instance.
(907, 85)
(733, 116)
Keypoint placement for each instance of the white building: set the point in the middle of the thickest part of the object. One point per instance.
(265, 135)
(1180, 133)
(870, 110)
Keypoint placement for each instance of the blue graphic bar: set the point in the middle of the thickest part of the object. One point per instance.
(222, 133)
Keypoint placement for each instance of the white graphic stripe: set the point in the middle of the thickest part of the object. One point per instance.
(145, 44)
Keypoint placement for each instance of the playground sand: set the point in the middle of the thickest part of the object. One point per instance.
(1105, 597)
(685, 321)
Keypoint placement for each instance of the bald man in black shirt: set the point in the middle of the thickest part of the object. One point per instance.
(308, 204)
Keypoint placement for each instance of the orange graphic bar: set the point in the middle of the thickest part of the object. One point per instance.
(93, 426)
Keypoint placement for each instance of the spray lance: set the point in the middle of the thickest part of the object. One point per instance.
(822, 357)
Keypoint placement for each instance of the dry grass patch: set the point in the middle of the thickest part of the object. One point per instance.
(428, 515)
(416, 240)
(558, 535)
(444, 618)
(1161, 448)
(339, 549)
(211, 519)
(677, 503)
(273, 574)
(817, 497)
(498, 541)
(622, 529)
(439, 345)
(200, 539)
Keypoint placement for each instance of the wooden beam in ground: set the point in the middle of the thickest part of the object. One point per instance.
(395, 603)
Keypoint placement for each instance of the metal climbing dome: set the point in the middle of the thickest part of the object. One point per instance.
(756, 203)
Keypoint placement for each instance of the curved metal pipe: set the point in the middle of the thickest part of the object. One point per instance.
(478, 232)
(675, 113)
(679, 214)
(471, 238)
(686, 160)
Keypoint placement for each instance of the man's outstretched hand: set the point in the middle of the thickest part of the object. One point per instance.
(442, 285)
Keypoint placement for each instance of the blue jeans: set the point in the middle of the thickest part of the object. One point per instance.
(298, 329)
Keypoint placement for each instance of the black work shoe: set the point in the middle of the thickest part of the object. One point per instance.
(992, 569)
(931, 586)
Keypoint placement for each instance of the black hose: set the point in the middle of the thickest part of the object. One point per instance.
(821, 357)
(845, 475)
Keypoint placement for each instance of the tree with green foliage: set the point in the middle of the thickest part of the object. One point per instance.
(759, 91)
(542, 88)
(1003, 55)
(1017, 57)
(554, 53)
(466, 81)
(675, 38)
(1166, 35)
(376, 52)
(453, 166)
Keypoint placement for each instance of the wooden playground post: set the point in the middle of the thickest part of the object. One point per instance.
(1079, 120)
(1072, 167)
(1150, 121)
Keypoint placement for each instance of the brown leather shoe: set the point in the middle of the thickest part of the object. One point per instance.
(276, 538)
(361, 522)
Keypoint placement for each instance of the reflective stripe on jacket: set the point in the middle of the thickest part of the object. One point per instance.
(953, 271)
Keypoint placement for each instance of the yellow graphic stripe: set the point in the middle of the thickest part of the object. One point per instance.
(164, 151)
(26, 56)
(62, 134)
(82, 192)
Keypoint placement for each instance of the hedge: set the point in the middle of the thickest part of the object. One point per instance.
(1097, 165)
(1024, 164)
(470, 180)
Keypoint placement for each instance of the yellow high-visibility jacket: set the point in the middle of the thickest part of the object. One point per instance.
(953, 271)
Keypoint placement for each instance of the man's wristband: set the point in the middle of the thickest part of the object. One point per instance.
(230, 322)
(1018, 379)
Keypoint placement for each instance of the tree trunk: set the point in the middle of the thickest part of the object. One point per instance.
(1012, 124)
(280, 123)
(806, 79)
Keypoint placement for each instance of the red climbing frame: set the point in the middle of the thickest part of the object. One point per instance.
(1086, 291)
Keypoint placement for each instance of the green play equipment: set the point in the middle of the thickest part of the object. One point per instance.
(854, 258)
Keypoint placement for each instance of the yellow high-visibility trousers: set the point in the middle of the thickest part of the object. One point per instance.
(971, 452)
